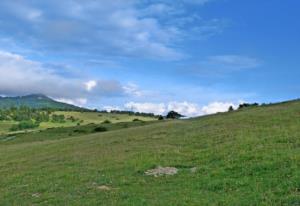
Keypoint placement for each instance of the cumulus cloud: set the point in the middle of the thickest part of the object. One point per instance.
(79, 102)
(216, 107)
(188, 109)
(147, 107)
(90, 85)
(20, 76)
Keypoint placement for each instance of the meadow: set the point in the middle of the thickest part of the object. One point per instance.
(82, 118)
(245, 157)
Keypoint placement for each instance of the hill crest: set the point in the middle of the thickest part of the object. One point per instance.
(36, 101)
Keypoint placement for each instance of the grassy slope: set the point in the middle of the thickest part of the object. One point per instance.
(67, 132)
(35, 101)
(5, 126)
(251, 157)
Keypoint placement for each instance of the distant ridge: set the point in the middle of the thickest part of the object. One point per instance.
(36, 101)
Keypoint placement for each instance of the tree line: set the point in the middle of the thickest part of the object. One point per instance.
(29, 118)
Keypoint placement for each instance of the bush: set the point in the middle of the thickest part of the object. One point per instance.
(137, 120)
(80, 131)
(58, 118)
(230, 109)
(241, 106)
(106, 122)
(100, 129)
(173, 115)
(25, 125)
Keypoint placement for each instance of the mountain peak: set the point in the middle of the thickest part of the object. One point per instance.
(37, 101)
(36, 96)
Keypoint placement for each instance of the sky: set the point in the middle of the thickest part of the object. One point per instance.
(196, 57)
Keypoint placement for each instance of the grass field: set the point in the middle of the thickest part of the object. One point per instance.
(93, 117)
(83, 118)
(248, 157)
(5, 126)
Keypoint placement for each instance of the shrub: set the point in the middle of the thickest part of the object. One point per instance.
(80, 131)
(173, 115)
(244, 105)
(25, 125)
(230, 109)
(58, 118)
(100, 129)
(106, 122)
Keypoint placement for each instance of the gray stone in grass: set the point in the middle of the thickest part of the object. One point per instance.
(160, 171)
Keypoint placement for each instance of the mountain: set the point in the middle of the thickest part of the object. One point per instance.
(37, 101)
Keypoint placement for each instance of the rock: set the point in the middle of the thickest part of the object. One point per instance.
(193, 170)
(36, 195)
(160, 171)
(104, 188)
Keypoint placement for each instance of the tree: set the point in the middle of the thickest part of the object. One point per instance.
(173, 115)
(244, 105)
(58, 118)
(230, 109)
(25, 125)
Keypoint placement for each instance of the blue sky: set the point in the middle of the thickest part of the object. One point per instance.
(193, 56)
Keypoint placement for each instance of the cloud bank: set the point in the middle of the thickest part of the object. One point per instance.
(20, 76)
(188, 109)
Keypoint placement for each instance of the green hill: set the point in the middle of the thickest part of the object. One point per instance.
(245, 157)
(36, 101)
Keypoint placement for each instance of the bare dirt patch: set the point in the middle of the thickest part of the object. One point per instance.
(160, 171)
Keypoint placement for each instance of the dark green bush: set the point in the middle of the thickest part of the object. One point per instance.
(100, 129)
(25, 125)
(106, 122)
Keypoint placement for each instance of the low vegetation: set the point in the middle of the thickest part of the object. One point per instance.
(23, 125)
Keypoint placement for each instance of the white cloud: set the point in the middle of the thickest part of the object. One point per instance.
(20, 76)
(188, 109)
(90, 85)
(216, 107)
(147, 107)
(79, 102)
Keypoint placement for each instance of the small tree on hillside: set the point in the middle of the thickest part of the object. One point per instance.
(173, 115)
(230, 109)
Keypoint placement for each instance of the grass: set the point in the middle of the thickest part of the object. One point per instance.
(249, 157)
(5, 126)
(93, 117)
(57, 133)
(83, 118)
